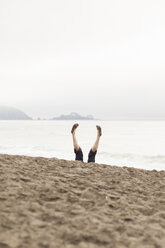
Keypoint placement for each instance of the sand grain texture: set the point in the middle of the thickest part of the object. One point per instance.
(51, 203)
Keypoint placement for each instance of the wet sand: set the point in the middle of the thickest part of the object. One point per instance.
(57, 203)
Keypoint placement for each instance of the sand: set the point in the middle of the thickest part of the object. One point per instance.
(57, 203)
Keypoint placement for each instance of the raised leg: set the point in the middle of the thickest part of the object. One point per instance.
(75, 144)
(93, 151)
(77, 149)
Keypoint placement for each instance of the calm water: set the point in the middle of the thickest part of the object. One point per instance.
(139, 144)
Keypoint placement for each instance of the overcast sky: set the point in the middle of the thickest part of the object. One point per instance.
(100, 57)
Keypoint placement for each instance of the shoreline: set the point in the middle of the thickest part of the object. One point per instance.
(48, 202)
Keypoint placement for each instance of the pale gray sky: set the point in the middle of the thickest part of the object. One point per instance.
(100, 57)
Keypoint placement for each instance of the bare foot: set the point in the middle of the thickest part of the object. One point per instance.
(74, 127)
(99, 130)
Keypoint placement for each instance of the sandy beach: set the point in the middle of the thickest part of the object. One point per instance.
(51, 203)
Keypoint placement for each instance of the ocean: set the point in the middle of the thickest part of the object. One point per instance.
(139, 144)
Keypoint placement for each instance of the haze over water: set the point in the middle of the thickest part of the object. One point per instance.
(137, 144)
(104, 58)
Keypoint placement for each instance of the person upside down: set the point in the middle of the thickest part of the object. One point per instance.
(77, 149)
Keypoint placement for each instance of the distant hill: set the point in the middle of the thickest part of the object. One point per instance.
(73, 116)
(8, 113)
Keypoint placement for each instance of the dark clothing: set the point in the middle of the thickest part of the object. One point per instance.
(91, 156)
(79, 155)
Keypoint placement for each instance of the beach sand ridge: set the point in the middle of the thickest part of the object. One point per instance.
(52, 203)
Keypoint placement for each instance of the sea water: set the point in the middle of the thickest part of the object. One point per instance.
(139, 144)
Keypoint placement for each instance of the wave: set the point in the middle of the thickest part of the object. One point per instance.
(121, 159)
(131, 155)
(136, 160)
(43, 149)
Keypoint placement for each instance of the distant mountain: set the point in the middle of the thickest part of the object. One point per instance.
(73, 116)
(8, 113)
